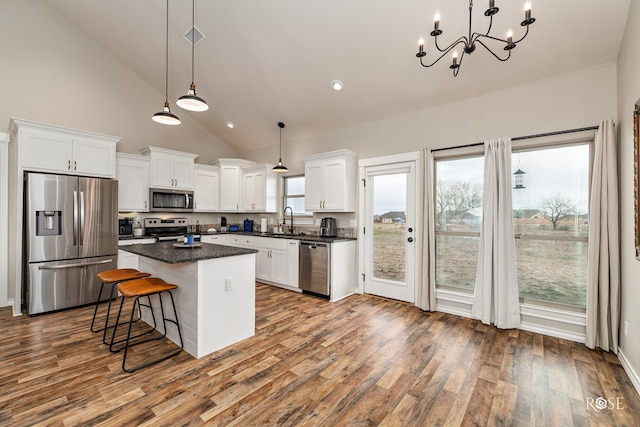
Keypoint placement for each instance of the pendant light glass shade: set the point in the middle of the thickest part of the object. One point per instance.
(166, 117)
(191, 101)
(280, 168)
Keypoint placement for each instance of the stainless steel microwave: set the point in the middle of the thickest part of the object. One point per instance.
(164, 200)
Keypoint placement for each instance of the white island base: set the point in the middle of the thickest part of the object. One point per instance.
(215, 300)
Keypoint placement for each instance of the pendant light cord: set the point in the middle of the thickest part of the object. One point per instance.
(166, 59)
(193, 35)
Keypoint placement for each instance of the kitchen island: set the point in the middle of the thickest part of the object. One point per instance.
(216, 295)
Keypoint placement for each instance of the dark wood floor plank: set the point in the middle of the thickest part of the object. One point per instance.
(363, 360)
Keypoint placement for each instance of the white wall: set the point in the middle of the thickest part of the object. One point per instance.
(565, 102)
(628, 95)
(53, 73)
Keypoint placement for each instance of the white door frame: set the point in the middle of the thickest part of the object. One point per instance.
(413, 156)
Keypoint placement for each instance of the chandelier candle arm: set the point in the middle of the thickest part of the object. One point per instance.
(469, 42)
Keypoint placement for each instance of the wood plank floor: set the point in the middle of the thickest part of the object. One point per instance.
(359, 362)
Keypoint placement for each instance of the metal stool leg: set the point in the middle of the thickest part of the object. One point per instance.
(164, 324)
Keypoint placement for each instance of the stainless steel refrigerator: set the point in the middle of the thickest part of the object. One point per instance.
(71, 234)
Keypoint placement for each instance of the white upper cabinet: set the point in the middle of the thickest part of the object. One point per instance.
(330, 181)
(231, 184)
(206, 188)
(259, 189)
(132, 172)
(170, 168)
(49, 148)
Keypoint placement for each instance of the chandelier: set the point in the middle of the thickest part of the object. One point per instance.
(469, 42)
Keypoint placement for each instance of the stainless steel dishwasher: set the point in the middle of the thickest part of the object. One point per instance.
(314, 269)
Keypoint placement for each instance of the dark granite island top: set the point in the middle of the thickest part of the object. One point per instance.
(167, 252)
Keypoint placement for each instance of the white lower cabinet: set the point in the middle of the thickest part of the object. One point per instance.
(127, 259)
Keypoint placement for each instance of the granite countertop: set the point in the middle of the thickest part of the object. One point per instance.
(306, 237)
(166, 252)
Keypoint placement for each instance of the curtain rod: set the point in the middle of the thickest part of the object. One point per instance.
(518, 138)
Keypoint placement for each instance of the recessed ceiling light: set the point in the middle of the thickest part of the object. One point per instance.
(336, 85)
(230, 125)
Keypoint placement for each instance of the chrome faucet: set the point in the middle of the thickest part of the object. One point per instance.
(291, 217)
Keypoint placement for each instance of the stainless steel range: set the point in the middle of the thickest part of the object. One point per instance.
(165, 229)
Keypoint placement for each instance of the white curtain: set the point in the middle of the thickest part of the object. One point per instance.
(496, 293)
(603, 278)
(425, 270)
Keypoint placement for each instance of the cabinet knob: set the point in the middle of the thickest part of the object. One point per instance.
(75, 165)
(410, 239)
(68, 165)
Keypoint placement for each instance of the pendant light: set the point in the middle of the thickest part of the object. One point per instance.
(191, 101)
(166, 117)
(280, 168)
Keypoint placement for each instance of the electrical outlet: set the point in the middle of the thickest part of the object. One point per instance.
(626, 328)
(228, 284)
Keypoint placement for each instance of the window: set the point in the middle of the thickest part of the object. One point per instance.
(458, 198)
(294, 194)
(551, 223)
(550, 195)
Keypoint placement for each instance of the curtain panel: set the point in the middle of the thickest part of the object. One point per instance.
(496, 297)
(603, 277)
(426, 270)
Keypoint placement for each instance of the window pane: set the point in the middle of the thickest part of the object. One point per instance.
(389, 223)
(551, 201)
(456, 261)
(459, 194)
(294, 185)
(552, 271)
(297, 204)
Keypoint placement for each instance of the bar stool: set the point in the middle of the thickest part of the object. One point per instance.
(138, 288)
(112, 277)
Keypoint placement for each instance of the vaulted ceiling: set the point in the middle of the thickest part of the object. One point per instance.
(267, 61)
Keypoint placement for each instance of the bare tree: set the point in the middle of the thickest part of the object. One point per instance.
(556, 208)
(455, 198)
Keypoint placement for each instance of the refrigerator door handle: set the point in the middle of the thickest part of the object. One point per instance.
(79, 264)
(81, 217)
(75, 218)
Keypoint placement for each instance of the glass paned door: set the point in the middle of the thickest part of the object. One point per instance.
(390, 231)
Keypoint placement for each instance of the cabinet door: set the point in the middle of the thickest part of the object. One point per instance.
(334, 183)
(162, 171)
(263, 264)
(205, 191)
(127, 260)
(133, 185)
(230, 188)
(46, 152)
(313, 188)
(183, 173)
(292, 262)
(94, 158)
(249, 191)
(259, 193)
(279, 270)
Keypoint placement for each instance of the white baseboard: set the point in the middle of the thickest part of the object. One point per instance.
(553, 332)
(633, 375)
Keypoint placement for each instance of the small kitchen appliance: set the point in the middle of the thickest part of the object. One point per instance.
(328, 227)
(125, 227)
(248, 225)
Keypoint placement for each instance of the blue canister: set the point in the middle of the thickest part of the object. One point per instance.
(248, 225)
(188, 239)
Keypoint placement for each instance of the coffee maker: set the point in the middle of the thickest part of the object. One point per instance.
(328, 227)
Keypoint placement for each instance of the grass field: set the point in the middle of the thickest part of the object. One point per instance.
(552, 271)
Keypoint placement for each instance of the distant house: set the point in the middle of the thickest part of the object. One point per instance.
(393, 217)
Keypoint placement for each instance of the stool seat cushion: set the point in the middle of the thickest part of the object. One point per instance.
(145, 286)
(120, 274)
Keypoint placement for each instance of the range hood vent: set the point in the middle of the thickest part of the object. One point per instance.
(197, 36)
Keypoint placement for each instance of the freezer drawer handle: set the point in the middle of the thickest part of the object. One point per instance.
(79, 264)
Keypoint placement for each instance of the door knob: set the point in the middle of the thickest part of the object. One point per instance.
(410, 239)
(410, 230)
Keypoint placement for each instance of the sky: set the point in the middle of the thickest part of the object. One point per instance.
(558, 170)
